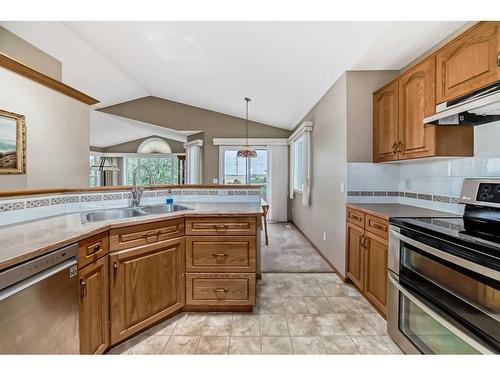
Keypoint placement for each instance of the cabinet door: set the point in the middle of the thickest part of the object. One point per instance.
(416, 101)
(375, 267)
(385, 123)
(94, 307)
(354, 239)
(469, 62)
(147, 284)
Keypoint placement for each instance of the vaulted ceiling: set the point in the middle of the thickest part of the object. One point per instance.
(285, 67)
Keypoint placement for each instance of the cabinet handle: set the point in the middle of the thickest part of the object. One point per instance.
(400, 147)
(151, 233)
(365, 243)
(219, 254)
(220, 227)
(83, 288)
(94, 248)
(355, 217)
(361, 240)
(221, 290)
(498, 59)
(378, 226)
(394, 148)
(115, 269)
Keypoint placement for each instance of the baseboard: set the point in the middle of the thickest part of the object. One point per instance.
(342, 277)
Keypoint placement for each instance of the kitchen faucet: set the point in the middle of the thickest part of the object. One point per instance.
(138, 190)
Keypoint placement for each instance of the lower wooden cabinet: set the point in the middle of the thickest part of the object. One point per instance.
(147, 284)
(94, 307)
(366, 253)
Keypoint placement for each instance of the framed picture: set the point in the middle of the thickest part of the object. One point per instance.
(12, 143)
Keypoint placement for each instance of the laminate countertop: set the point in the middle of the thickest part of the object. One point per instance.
(24, 241)
(388, 210)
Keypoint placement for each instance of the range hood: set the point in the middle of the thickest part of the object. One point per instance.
(476, 108)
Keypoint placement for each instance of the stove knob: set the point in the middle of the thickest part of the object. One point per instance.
(498, 189)
(484, 196)
(486, 187)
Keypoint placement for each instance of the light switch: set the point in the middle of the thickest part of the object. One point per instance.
(342, 187)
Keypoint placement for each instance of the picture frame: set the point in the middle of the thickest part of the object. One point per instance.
(12, 143)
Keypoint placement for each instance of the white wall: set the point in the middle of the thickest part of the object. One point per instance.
(57, 134)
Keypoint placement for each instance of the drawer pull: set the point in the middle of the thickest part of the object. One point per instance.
(361, 240)
(219, 254)
(365, 242)
(83, 288)
(94, 249)
(394, 148)
(221, 290)
(220, 227)
(115, 269)
(378, 226)
(151, 233)
(355, 217)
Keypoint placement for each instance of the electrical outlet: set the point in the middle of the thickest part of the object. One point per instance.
(215, 181)
(342, 187)
(324, 236)
(407, 184)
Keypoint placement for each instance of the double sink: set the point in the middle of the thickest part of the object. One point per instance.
(129, 212)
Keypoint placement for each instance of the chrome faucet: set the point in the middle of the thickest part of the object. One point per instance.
(138, 190)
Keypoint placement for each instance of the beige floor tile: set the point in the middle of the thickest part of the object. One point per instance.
(270, 305)
(325, 278)
(301, 325)
(393, 347)
(290, 289)
(378, 323)
(309, 286)
(339, 345)
(244, 345)
(165, 328)
(190, 325)
(218, 325)
(151, 345)
(357, 324)
(213, 345)
(333, 290)
(276, 345)
(126, 346)
(245, 325)
(341, 305)
(361, 305)
(308, 345)
(182, 345)
(371, 344)
(318, 305)
(268, 277)
(268, 290)
(295, 305)
(349, 290)
(330, 324)
(273, 325)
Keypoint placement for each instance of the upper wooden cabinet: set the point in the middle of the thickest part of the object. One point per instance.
(417, 100)
(385, 123)
(147, 284)
(469, 62)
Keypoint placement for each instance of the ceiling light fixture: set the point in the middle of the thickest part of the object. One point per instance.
(246, 151)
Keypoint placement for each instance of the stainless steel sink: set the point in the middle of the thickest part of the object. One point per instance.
(161, 209)
(125, 213)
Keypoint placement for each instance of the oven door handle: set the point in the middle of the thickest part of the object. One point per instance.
(491, 273)
(438, 318)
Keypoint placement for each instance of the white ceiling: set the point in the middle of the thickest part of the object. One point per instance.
(285, 67)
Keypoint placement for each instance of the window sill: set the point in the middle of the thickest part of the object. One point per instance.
(298, 191)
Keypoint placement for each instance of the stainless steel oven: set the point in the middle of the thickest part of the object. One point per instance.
(443, 297)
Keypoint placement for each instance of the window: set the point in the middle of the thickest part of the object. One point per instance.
(93, 174)
(298, 164)
(154, 146)
(164, 169)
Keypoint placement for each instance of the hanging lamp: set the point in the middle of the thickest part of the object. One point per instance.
(246, 151)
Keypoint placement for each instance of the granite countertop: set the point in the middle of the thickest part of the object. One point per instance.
(24, 241)
(387, 210)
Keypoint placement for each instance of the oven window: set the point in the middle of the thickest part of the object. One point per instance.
(426, 333)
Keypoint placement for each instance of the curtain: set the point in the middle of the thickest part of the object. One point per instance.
(278, 178)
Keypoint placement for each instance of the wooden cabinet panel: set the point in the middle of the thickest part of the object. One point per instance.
(355, 253)
(139, 235)
(224, 289)
(220, 254)
(356, 217)
(147, 284)
(375, 264)
(377, 226)
(94, 307)
(385, 123)
(469, 62)
(221, 226)
(92, 248)
(416, 101)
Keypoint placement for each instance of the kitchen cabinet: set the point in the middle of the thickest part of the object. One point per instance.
(399, 109)
(94, 307)
(469, 62)
(385, 123)
(147, 284)
(366, 257)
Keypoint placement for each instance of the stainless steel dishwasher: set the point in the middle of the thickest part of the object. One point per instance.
(39, 304)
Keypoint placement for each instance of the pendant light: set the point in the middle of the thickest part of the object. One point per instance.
(246, 151)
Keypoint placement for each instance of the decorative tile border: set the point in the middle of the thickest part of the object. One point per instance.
(12, 206)
(404, 194)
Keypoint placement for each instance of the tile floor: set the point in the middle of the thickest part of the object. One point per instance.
(296, 313)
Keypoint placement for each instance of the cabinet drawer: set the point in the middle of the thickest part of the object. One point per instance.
(377, 226)
(220, 254)
(356, 217)
(139, 235)
(220, 289)
(92, 248)
(217, 226)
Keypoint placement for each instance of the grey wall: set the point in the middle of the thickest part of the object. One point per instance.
(180, 116)
(19, 49)
(176, 146)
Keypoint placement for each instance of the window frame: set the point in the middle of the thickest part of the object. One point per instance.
(298, 161)
(146, 156)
